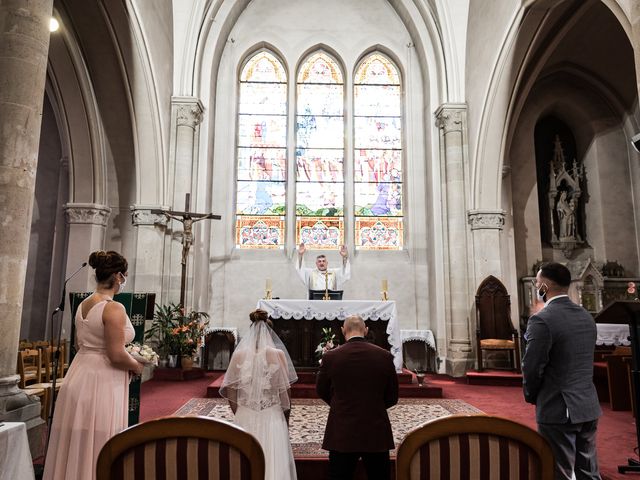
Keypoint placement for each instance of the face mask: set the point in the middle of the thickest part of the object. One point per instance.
(124, 282)
(542, 296)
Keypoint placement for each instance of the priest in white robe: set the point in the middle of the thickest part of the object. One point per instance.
(321, 276)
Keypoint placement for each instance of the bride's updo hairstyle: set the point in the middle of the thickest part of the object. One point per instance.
(106, 264)
(260, 315)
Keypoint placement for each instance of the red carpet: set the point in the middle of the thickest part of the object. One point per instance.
(616, 431)
(305, 387)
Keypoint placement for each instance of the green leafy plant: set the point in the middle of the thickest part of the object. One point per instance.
(177, 332)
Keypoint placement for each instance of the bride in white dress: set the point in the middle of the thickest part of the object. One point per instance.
(257, 385)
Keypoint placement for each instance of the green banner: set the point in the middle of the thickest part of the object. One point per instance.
(139, 307)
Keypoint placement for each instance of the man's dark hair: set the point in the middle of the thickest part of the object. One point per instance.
(557, 273)
(321, 256)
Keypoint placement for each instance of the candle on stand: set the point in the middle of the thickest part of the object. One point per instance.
(267, 293)
(384, 293)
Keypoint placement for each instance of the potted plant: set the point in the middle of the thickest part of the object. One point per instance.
(164, 320)
(178, 334)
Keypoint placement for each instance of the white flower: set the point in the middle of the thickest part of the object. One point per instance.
(142, 353)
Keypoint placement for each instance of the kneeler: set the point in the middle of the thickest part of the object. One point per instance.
(139, 307)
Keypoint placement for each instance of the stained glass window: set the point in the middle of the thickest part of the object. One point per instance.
(320, 153)
(378, 204)
(261, 153)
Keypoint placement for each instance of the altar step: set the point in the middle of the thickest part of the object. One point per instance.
(305, 387)
(504, 378)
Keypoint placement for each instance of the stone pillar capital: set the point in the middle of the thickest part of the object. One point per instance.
(141, 215)
(87, 213)
(188, 111)
(486, 219)
(450, 117)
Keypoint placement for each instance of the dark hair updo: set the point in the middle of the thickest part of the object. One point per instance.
(260, 315)
(106, 264)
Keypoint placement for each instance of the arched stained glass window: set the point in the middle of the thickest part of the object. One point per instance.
(320, 153)
(262, 153)
(378, 203)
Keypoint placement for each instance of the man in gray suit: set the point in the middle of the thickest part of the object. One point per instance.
(557, 370)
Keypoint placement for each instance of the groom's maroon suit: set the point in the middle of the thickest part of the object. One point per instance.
(358, 380)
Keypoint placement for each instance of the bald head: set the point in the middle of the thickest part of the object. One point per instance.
(354, 326)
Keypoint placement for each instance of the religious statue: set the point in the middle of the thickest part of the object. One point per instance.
(563, 200)
(566, 216)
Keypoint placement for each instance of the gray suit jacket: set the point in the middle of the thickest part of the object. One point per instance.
(558, 364)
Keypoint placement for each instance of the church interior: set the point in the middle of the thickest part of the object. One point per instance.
(451, 146)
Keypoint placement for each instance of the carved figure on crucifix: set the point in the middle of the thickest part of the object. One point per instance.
(187, 232)
(187, 219)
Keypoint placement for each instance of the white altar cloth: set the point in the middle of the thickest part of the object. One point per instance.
(339, 310)
(612, 334)
(15, 457)
(425, 336)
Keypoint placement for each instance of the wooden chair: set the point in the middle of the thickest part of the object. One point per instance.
(494, 329)
(29, 367)
(478, 447)
(48, 361)
(44, 395)
(183, 447)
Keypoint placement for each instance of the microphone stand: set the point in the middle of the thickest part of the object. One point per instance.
(56, 355)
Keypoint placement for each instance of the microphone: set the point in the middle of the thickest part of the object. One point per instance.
(64, 288)
(56, 355)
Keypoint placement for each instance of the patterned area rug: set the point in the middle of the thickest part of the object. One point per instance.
(309, 417)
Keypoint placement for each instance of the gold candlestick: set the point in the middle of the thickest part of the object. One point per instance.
(268, 291)
(384, 293)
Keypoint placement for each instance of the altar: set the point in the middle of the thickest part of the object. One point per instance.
(299, 325)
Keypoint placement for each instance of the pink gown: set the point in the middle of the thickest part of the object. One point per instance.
(92, 404)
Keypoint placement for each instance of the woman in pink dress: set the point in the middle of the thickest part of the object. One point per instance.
(94, 399)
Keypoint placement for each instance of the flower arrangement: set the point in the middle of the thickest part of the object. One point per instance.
(142, 353)
(177, 332)
(327, 343)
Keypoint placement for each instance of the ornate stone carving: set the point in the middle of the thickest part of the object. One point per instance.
(449, 119)
(189, 115)
(564, 200)
(141, 215)
(87, 213)
(486, 219)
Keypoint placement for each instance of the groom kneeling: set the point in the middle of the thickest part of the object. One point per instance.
(358, 380)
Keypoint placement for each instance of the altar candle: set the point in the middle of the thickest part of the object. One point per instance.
(384, 285)
(268, 287)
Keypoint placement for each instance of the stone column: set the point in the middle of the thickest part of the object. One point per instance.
(24, 46)
(145, 270)
(635, 41)
(486, 227)
(146, 273)
(87, 224)
(451, 120)
(187, 115)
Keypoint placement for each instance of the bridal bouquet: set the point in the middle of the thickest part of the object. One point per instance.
(142, 353)
(327, 343)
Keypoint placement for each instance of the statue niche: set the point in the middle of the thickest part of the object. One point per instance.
(564, 201)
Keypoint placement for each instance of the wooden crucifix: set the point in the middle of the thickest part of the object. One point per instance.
(187, 219)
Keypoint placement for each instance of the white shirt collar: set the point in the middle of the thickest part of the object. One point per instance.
(553, 298)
